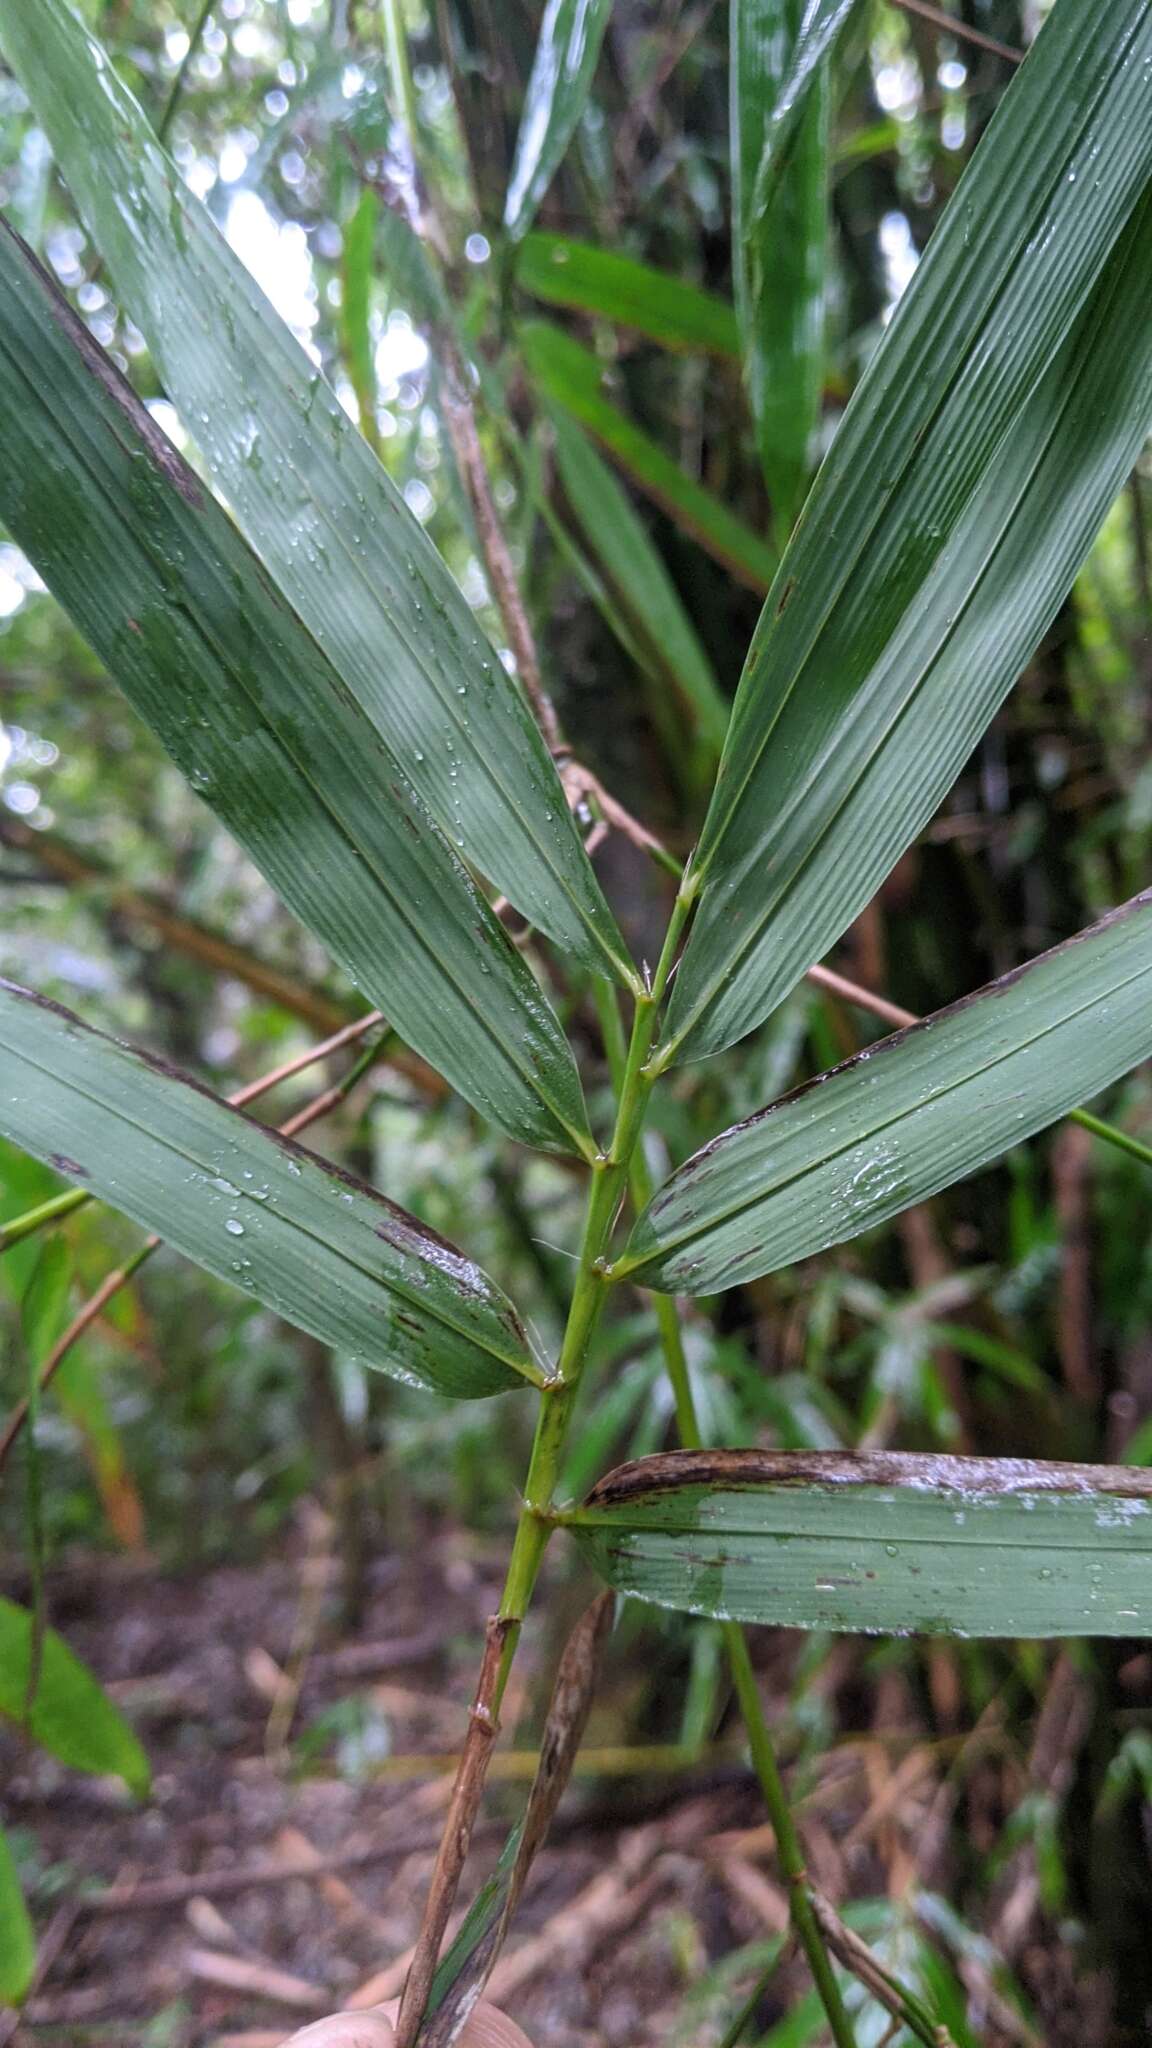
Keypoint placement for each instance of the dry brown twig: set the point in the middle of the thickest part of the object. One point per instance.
(457, 1835)
(961, 30)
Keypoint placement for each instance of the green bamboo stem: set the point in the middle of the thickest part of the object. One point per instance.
(1112, 1134)
(171, 104)
(610, 1177)
(39, 1218)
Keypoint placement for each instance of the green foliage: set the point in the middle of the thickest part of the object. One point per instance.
(901, 1121)
(315, 1244)
(17, 1940)
(364, 708)
(780, 242)
(315, 505)
(556, 96)
(47, 1690)
(878, 1545)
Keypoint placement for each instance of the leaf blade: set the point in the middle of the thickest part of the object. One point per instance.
(818, 29)
(311, 497)
(880, 1543)
(322, 1249)
(571, 376)
(906, 1118)
(779, 245)
(643, 586)
(586, 279)
(562, 70)
(1008, 398)
(17, 1939)
(71, 1715)
(208, 651)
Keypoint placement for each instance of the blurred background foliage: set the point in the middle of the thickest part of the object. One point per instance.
(1012, 1316)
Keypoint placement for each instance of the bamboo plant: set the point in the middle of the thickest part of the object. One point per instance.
(282, 622)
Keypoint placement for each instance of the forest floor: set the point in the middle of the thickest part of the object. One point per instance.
(279, 1743)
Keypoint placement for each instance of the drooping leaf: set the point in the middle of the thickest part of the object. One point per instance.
(643, 588)
(879, 1542)
(71, 1715)
(907, 1117)
(571, 376)
(819, 24)
(617, 288)
(316, 1245)
(996, 421)
(17, 1939)
(248, 705)
(779, 246)
(311, 497)
(571, 33)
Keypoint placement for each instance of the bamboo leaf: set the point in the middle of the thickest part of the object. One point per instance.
(818, 27)
(311, 497)
(17, 1940)
(907, 1117)
(356, 308)
(644, 590)
(562, 71)
(617, 288)
(321, 1248)
(779, 244)
(62, 1705)
(570, 376)
(879, 1542)
(210, 653)
(998, 418)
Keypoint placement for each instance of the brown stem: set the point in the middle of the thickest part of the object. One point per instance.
(457, 1835)
(211, 949)
(961, 30)
(460, 420)
(851, 992)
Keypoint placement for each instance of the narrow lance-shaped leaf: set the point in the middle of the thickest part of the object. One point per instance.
(626, 293)
(17, 1940)
(210, 653)
(998, 417)
(310, 495)
(905, 1118)
(321, 1248)
(572, 377)
(644, 589)
(879, 1542)
(794, 80)
(67, 1711)
(779, 247)
(570, 37)
(356, 307)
